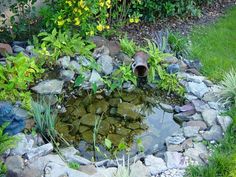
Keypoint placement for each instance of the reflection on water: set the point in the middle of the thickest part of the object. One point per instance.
(125, 117)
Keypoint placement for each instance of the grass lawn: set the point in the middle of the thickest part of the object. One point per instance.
(215, 45)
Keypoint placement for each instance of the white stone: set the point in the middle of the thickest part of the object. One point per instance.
(224, 122)
(155, 165)
(175, 160)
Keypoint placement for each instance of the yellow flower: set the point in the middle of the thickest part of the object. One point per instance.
(86, 8)
(91, 33)
(108, 27)
(101, 3)
(107, 15)
(81, 3)
(131, 20)
(60, 22)
(108, 3)
(136, 20)
(75, 10)
(99, 27)
(77, 21)
(69, 3)
(80, 12)
(68, 20)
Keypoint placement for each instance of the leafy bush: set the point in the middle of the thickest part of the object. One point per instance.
(19, 72)
(228, 88)
(128, 46)
(57, 43)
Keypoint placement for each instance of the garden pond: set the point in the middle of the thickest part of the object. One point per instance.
(133, 118)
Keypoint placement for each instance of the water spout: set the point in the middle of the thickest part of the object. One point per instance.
(140, 66)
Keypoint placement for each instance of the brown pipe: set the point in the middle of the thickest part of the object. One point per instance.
(140, 66)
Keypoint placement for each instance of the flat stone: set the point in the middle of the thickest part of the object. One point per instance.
(49, 87)
(199, 105)
(190, 131)
(197, 117)
(115, 138)
(98, 52)
(198, 89)
(98, 107)
(88, 169)
(138, 169)
(209, 116)
(175, 160)
(194, 153)
(175, 139)
(69, 151)
(190, 97)
(95, 78)
(106, 63)
(39, 151)
(184, 116)
(105, 172)
(127, 110)
(224, 122)
(174, 148)
(18, 49)
(215, 133)
(188, 143)
(23, 145)
(75, 66)
(88, 119)
(14, 163)
(5, 49)
(64, 61)
(166, 107)
(186, 108)
(201, 124)
(125, 59)
(67, 75)
(155, 165)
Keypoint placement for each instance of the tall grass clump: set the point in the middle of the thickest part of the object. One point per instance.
(227, 90)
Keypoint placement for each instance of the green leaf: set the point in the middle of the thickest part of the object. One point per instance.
(94, 87)
(79, 80)
(108, 143)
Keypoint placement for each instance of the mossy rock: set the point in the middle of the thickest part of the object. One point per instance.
(88, 136)
(115, 139)
(89, 119)
(98, 107)
(127, 110)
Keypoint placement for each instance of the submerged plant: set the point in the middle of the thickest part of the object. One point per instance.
(227, 91)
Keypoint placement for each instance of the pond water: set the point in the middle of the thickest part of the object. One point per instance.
(124, 117)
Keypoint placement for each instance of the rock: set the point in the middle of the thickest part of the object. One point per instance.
(190, 131)
(19, 112)
(67, 75)
(49, 87)
(98, 52)
(5, 49)
(184, 116)
(7, 114)
(173, 68)
(39, 151)
(208, 83)
(209, 116)
(193, 78)
(15, 165)
(127, 110)
(114, 48)
(224, 122)
(199, 105)
(75, 66)
(99, 41)
(89, 119)
(18, 49)
(175, 160)
(105, 172)
(198, 89)
(215, 133)
(83, 61)
(115, 138)
(188, 143)
(29, 48)
(155, 165)
(185, 108)
(194, 153)
(174, 148)
(106, 63)
(69, 151)
(64, 61)
(88, 169)
(178, 139)
(98, 107)
(197, 117)
(190, 97)
(95, 78)
(139, 170)
(166, 107)
(201, 124)
(23, 145)
(171, 60)
(123, 58)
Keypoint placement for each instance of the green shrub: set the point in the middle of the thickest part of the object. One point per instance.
(58, 43)
(19, 72)
(228, 88)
